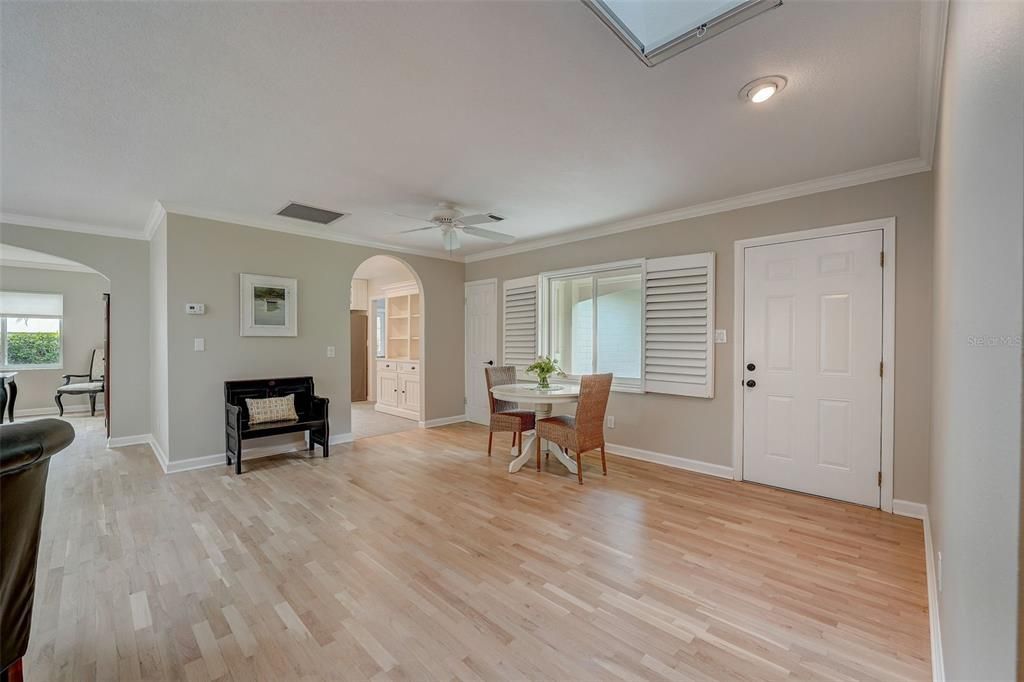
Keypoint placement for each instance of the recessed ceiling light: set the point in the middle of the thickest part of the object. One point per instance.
(762, 89)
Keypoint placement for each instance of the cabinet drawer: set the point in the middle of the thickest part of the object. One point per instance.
(409, 367)
(387, 366)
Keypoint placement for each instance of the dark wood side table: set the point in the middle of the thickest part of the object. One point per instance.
(8, 395)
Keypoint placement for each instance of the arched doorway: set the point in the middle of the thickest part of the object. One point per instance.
(387, 347)
(54, 321)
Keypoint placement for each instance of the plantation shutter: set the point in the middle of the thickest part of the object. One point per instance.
(520, 322)
(679, 319)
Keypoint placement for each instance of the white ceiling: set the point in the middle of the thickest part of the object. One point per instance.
(533, 110)
(17, 257)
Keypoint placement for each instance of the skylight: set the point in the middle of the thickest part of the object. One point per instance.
(658, 29)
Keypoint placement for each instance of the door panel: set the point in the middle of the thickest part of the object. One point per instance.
(409, 392)
(481, 346)
(813, 331)
(387, 389)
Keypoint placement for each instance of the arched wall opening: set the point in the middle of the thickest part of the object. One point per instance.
(53, 336)
(125, 263)
(388, 347)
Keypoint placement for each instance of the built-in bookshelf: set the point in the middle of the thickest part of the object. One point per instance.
(403, 326)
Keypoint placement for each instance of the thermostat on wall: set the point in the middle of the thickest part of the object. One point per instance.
(195, 308)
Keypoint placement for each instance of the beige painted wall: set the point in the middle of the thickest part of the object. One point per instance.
(125, 262)
(701, 429)
(82, 331)
(204, 260)
(979, 249)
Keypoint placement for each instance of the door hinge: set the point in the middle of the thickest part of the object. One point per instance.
(881, 258)
(881, 367)
(879, 479)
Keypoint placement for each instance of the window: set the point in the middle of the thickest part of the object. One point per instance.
(30, 330)
(379, 328)
(656, 30)
(648, 321)
(594, 322)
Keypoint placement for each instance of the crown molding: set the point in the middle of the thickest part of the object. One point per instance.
(36, 265)
(156, 215)
(69, 226)
(302, 231)
(934, 18)
(799, 189)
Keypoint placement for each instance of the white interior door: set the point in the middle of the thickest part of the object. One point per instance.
(481, 345)
(812, 341)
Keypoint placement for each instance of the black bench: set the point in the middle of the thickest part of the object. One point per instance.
(310, 408)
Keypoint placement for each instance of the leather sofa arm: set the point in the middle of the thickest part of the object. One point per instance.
(23, 445)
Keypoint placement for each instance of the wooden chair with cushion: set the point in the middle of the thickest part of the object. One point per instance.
(94, 382)
(585, 431)
(506, 416)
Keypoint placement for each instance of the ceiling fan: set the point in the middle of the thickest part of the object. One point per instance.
(451, 222)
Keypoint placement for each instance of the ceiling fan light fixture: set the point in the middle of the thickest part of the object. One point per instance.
(762, 89)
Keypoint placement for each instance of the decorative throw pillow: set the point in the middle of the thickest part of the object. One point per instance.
(271, 409)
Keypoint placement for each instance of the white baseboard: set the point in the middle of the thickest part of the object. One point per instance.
(938, 666)
(70, 409)
(248, 453)
(914, 510)
(442, 421)
(717, 470)
(161, 456)
(125, 441)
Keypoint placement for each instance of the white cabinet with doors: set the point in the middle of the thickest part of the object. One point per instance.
(399, 373)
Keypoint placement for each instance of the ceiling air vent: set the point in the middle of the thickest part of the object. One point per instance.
(310, 214)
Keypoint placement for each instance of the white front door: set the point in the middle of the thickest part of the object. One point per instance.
(812, 342)
(481, 345)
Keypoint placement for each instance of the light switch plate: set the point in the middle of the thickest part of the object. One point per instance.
(330, 351)
(199, 343)
(720, 336)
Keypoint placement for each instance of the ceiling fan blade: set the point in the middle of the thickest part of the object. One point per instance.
(480, 219)
(418, 229)
(489, 234)
(410, 217)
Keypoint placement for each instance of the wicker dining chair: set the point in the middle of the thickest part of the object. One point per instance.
(585, 431)
(505, 415)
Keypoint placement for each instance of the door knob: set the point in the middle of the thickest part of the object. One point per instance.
(489, 362)
(751, 367)
(751, 383)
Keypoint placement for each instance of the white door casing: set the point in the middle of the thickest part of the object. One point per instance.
(481, 345)
(813, 329)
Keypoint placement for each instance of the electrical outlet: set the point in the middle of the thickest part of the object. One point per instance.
(609, 421)
(330, 351)
(938, 572)
(721, 336)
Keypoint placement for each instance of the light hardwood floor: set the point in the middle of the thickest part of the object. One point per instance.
(414, 556)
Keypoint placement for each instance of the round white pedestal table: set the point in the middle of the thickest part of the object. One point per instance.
(542, 402)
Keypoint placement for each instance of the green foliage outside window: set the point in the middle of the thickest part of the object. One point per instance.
(33, 348)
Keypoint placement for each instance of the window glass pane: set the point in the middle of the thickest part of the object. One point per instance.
(571, 324)
(618, 324)
(32, 341)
